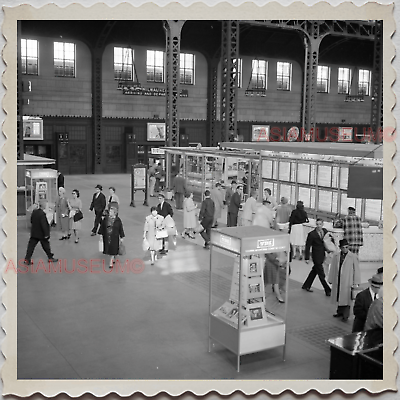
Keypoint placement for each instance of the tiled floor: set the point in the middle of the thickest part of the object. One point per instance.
(149, 322)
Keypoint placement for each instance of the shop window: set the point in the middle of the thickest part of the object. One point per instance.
(29, 57)
(155, 66)
(344, 80)
(364, 82)
(64, 59)
(283, 75)
(323, 79)
(259, 74)
(123, 64)
(186, 68)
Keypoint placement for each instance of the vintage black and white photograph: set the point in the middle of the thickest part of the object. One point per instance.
(298, 104)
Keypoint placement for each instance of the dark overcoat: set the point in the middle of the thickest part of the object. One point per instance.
(361, 307)
(111, 248)
(40, 228)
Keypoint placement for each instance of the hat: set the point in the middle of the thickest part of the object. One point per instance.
(376, 281)
(99, 187)
(343, 242)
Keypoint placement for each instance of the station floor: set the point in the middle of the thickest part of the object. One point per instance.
(152, 324)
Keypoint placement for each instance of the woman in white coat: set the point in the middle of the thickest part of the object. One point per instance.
(189, 216)
(153, 223)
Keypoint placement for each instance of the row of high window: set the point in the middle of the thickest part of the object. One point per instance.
(124, 69)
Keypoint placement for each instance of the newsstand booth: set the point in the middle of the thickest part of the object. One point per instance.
(245, 316)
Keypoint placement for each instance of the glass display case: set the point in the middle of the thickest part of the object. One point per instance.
(248, 289)
(40, 184)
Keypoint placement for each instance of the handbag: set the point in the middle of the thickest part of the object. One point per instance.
(78, 216)
(145, 244)
(121, 249)
(354, 291)
(170, 225)
(161, 234)
(199, 228)
(329, 243)
(101, 244)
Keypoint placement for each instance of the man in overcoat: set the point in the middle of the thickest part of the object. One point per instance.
(234, 205)
(164, 209)
(316, 242)
(98, 204)
(40, 232)
(353, 230)
(206, 217)
(179, 188)
(343, 274)
(364, 300)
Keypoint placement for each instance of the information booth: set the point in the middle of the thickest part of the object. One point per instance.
(245, 316)
(40, 184)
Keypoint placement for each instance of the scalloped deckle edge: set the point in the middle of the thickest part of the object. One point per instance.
(247, 11)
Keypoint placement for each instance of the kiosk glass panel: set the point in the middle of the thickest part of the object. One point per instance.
(304, 196)
(313, 178)
(335, 177)
(335, 205)
(284, 171)
(344, 178)
(373, 209)
(275, 170)
(313, 199)
(267, 169)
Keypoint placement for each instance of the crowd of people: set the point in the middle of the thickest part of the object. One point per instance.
(159, 227)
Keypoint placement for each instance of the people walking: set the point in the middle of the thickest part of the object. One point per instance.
(164, 209)
(353, 230)
(343, 274)
(112, 230)
(152, 179)
(229, 193)
(271, 276)
(234, 205)
(40, 232)
(316, 243)
(250, 208)
(98, 204)
(63, 209)
(179, 188)
(206, 217)
(217, 196)
(76, 207)
(264, 216)
(189, 216)
(153, 223)
(296, 229)
(364, 300)
(270, 201)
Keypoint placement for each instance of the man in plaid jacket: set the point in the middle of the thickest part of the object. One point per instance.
(353, 230)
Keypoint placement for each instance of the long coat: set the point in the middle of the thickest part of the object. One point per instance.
(40, 228)
(62, 207)
(111, 248)
(98, 202)
(264, 216)
(217, 196)
(349, 276)
(234, 204)
(361, 307)
(189, 213)
(151, 225)
(179, 184)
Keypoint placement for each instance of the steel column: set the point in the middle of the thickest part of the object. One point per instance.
(229, 82)
(376, 85)
(20, 112)
(212, 95)
(173, 42)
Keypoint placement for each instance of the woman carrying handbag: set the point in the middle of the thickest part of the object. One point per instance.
(75, 215)
(153, 230)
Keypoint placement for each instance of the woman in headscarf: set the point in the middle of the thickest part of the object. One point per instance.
(63, 208)
(153, 223)
(296, 229)
(113, 234)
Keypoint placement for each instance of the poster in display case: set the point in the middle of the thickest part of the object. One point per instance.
(260, 133)
(284, 171)
(156, 131)
(267, 169)
(303, 173)
(324, 175)
(325, 200)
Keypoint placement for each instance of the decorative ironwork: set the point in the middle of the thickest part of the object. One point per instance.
(173, 40)
(212, 101)
(229, 78)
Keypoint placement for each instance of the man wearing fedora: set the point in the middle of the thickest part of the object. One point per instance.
(364, 300)
(375, 313)
(98, 204)
(343, 274)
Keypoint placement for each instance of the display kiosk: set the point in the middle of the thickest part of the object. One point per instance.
(40, 184)
(245, 315)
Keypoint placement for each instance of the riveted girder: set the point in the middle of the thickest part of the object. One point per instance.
(20, 113)
(229, 79)
(212, 101)
(173, 41)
